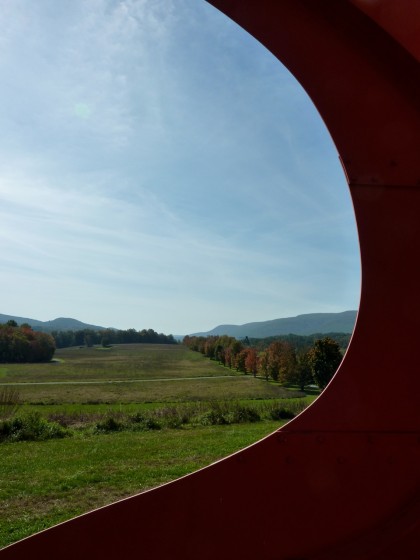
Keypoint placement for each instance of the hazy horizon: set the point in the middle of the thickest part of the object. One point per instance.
(176, 333)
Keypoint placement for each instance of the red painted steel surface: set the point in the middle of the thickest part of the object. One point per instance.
(341, 481)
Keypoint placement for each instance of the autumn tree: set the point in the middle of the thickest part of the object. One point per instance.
(251, 361)
(324, 357)
(302, 374)
(22, 344)
(210, 347)
(241, 360)
(236, 347)
(229, 357)
(281, 360)
(263, 364)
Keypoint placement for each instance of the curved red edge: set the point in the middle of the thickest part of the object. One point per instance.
(341, 481)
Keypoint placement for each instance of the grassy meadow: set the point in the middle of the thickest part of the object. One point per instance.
(96, 425)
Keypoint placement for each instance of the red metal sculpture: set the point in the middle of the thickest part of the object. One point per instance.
(341, 481)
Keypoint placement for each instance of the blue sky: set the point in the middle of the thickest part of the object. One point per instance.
(160, 169)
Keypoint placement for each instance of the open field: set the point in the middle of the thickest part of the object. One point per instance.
(120, 362)
(133, 417)
(244, 387)
(131, 373)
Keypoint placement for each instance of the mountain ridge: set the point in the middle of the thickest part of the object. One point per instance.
(58, 324)
(305, 324)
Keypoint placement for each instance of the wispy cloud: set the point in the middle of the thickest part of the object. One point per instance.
(158, 168)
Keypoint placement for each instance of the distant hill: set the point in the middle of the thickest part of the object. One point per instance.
(59, 324)
(301, 324)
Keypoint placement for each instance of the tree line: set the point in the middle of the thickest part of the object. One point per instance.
(23, 344)
(280, 360)
(19, 344)
(299, 341)
(108, 337)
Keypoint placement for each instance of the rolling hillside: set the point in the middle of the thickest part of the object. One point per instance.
(59, 324)
(301, 324)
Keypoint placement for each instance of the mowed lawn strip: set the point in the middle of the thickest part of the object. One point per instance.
(240, 387)
(44, 483)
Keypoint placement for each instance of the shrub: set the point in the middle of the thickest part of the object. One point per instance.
(109, 424)
(137, 417)
(228, 412)
(243, 414)
(281, 413)
(144, 422)
(31, 427)
(218, 415)
(151, 424)
(212, 418)
(174, 416)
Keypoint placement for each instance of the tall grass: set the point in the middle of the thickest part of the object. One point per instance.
(33, 426)
(179, 415)
(10, 401)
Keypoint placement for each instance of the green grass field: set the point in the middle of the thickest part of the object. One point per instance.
(131, 373)
(197, 405)
(40, 489)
